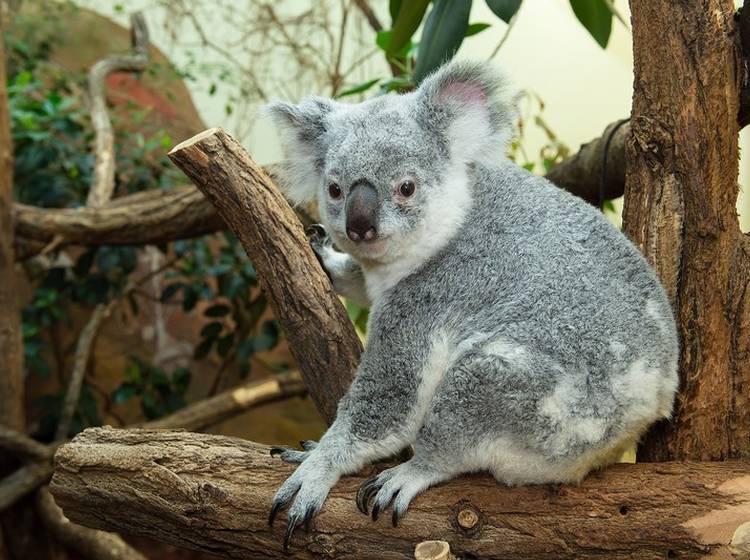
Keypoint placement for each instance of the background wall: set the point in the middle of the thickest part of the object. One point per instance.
(547, 53)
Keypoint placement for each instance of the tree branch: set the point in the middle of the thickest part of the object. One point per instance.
(148, 218)
(213, 493)
(209, 412)
(581, 174)
(103, 184)
(17, 444)
(80, 362)
(90, 544)
(320, 334)
(24, 480)
(197, 416)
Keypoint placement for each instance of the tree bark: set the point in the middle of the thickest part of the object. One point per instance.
(103, 183)
(11, 348)
(213, 493)
(597, 171)
(321, 336)
(19, 529)
(151, 217)
(681, 192)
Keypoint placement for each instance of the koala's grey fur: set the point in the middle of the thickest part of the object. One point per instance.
(512, 328)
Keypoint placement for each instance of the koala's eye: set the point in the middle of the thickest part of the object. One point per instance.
(334, 191)
(406, 188)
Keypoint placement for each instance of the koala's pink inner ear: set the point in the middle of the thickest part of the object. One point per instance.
(464, 93)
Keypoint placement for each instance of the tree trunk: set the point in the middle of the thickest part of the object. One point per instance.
(680, 198)
(20, 531)
(213, 493)
(321, 336)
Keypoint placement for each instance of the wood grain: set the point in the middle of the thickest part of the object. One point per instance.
(213, 493)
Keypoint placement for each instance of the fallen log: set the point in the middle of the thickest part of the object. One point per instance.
(321, 336)
(213, 493)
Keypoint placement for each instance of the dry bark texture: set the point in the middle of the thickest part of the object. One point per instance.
(320, 334)
(213, 493)
(11, 349)
(150, 217)
(680, 210)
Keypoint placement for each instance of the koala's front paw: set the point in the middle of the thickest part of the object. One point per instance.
(303, 493)
(320, 242)
(398, 485)
(293, 456)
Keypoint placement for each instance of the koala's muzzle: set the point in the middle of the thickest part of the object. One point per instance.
(362, 212)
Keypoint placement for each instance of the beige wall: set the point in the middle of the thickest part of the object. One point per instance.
(547, 52)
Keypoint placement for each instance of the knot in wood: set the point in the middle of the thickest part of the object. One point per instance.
(467, 518)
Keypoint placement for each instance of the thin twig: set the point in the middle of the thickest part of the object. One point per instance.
(24, 480)
(369, 14)
(103, 184)
(82, 355)
(505, 36)
(88, 543)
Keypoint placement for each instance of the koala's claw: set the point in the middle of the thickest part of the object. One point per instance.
(308, 444)
(395, 488)
(291, 456)
(316, 231)
(365, 493)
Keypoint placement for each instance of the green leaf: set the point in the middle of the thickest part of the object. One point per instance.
(170, 291)
(406, 23)
(505, 9)
(475, 28)
(212, 330)
(123, 393)
(218, 310)
(224, 345)
(596, 17)
(358, 88)
(394, 6)
(383, 39)
(444, 31)
(202, 350)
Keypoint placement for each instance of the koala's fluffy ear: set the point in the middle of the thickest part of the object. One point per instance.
(302, 129)
(469, 104)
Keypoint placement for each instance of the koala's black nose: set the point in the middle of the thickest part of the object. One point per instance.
(362, 212)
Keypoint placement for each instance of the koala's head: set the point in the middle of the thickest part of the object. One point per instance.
(389, 174)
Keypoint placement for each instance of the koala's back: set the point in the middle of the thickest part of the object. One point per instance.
(565, 336)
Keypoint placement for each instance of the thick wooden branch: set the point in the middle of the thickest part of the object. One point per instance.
(197, 416)
(211, 411)
(320, 334)
(584, 173)
(213, 493)
(148, 218)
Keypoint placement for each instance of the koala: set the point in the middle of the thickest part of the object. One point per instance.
(512, 329)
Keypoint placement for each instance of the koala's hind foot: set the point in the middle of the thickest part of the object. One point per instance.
(398, 486)
(293, 456)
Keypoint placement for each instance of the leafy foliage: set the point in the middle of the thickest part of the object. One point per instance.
(596, 17)
(161, 393)
(444, 31)
(53, 141)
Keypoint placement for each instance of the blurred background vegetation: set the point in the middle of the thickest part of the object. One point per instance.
(196, 322)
